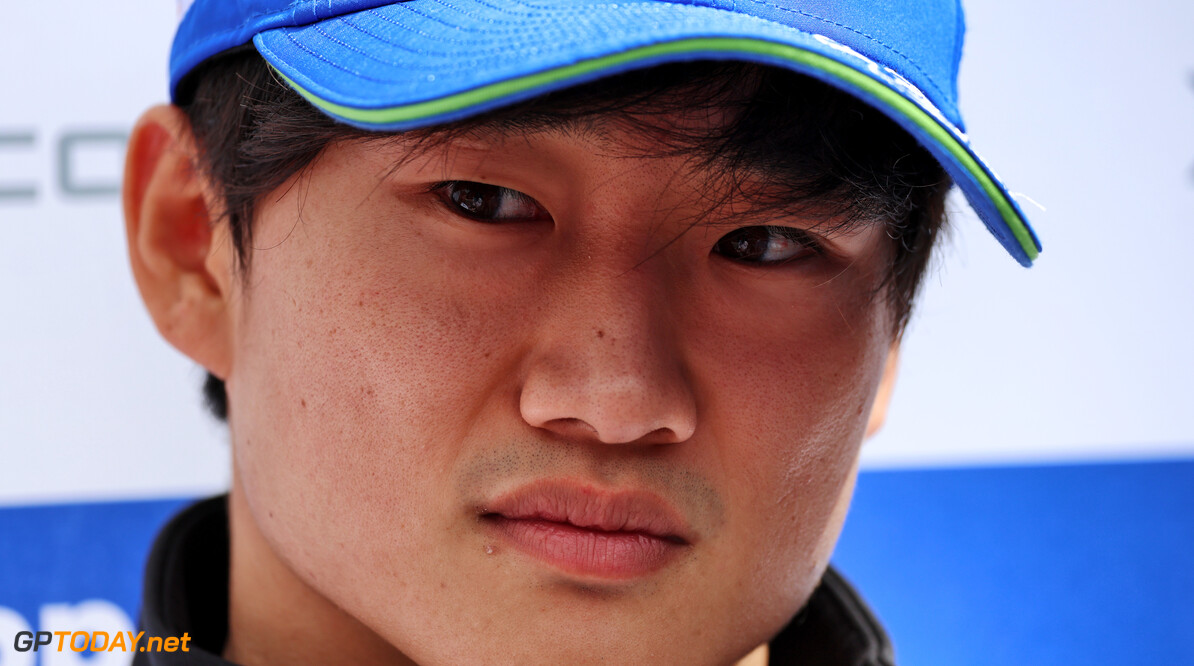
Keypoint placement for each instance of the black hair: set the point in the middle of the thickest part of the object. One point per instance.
(788, 142)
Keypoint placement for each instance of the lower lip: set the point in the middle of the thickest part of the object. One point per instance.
(575, 550)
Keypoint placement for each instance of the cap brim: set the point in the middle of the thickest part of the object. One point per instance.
(416, 64)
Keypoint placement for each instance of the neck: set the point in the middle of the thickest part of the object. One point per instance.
(757, 657)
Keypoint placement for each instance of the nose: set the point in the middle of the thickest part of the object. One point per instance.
(607, 366)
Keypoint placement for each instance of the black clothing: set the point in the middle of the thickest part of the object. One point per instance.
(186, 586)
(186, 590)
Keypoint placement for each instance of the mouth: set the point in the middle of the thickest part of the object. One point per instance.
(589, 532)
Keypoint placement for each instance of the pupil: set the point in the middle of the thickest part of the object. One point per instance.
(763, 245)
(751, 242)
(475, 199)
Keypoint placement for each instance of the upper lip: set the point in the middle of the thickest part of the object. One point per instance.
(594, 508)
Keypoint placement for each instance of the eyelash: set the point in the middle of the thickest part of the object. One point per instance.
(453, 194)
(805, 244)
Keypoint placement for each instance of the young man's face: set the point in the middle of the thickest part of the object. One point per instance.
(607, 426)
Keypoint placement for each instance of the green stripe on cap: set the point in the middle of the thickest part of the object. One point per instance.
(410, 113)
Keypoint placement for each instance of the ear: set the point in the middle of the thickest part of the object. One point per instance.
(886, 386)
(185, 277)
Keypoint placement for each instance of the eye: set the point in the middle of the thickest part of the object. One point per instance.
(489, 203)
(767, 245)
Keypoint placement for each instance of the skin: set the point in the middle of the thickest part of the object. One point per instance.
(392, 364)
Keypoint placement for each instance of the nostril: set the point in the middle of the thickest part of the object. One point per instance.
(571, 427)
(579, 428)
(661, 436)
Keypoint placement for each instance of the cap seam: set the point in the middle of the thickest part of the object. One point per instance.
(319, 57)
(203, 45)
(352, 25)
(504, 10)
(414, 10)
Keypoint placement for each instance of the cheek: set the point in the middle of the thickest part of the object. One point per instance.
(355, 375)
(791, 405)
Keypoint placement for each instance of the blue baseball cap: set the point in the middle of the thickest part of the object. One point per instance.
(392, 66)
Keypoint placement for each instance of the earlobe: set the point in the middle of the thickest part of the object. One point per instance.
(886, 386)
(183, 274)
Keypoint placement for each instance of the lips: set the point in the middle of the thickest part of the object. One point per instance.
(587, 531)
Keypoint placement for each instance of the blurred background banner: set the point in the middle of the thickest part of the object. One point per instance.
(1030, 501)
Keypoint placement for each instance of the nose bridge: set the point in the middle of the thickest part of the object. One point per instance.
(624, 304)
(607, 364)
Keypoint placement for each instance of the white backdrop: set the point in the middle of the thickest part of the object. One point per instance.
(1086, 356)
(1089, 110)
